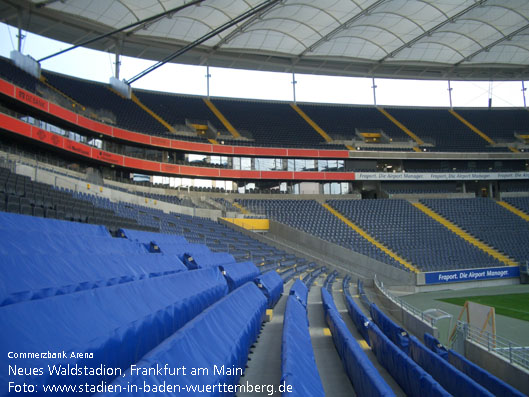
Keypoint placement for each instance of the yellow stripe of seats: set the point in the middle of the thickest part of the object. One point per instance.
(514, 210)
(471, 126)
(137, 101)
(311, 122)
(365, 235)
(401, 126)
(464, 235)
(231, 129)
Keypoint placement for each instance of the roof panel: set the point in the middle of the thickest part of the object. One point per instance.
(435, 37)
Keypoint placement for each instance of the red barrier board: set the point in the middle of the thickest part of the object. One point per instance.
(31, 99)
(11, 124)
(78, 148)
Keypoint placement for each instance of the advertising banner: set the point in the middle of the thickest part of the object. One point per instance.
(488, 273)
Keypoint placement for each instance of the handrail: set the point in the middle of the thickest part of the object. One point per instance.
(501, 346)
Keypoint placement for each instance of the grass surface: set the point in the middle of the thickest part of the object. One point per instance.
(511, 305)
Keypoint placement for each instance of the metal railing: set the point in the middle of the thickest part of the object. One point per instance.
(509, 350)
(404, 305)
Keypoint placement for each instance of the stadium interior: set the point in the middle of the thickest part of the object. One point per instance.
(270, 243)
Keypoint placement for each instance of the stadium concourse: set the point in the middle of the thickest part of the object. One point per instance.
(154, 243)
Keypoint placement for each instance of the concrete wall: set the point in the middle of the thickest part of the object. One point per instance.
(358, 264)
(409, 321)
(498, 366)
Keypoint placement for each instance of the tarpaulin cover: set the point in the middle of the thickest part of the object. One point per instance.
(413, 380)
(300, 291)
(11, 221)
(434, 345)
(14, 242)
(34, 276)
(145, 237)
(182, 249)
(118, 324)
(359, 319)
(239, 273)
(452, 380)
(271, 284)
(395, 333)
(202, 259)
(364, 376)
(492, 383)
(298, 366)
(169, 244)
(219, 338)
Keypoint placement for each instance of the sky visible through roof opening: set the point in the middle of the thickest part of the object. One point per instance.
(186, 79)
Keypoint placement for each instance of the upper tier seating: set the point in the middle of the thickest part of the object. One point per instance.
(341, 121)
(270, 123)
(438, 125)
(413, 235)
(489, 222)
(175, 109)
(498, 124)
(98, 96)
(12, 73)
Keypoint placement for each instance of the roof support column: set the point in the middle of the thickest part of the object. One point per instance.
(117, 61)
(374, 87)
(208, 76)
(20, 35)
(294, 82)
(523, 94)
(450, 94)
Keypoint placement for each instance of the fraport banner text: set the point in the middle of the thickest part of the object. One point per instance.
(454, 276)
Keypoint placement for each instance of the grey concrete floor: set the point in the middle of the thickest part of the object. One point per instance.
(333, 376)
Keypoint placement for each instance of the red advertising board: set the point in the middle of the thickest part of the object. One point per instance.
(107, 157)
(11, 124)
(31, 99)
(79, 148)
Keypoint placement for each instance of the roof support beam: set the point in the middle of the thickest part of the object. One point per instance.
(147, 20)
(261, 7)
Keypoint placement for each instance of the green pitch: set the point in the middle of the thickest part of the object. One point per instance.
(511, 305)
